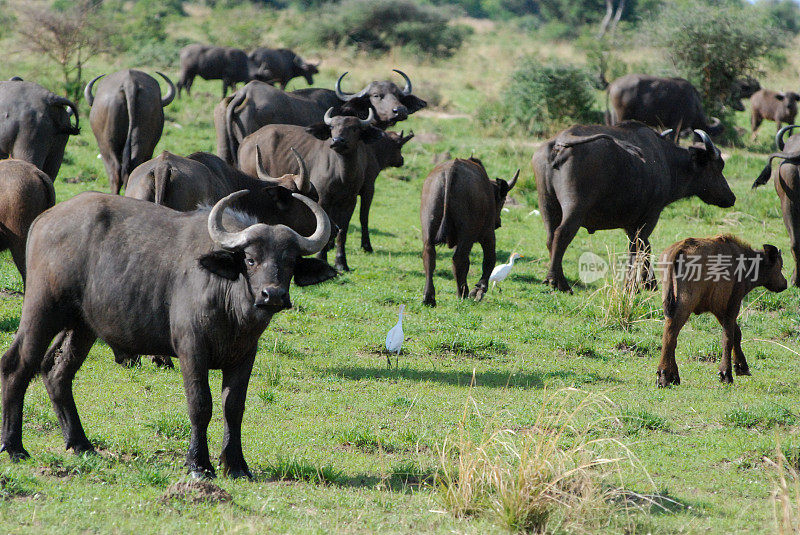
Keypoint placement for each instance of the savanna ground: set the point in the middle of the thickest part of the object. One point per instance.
(339, 442)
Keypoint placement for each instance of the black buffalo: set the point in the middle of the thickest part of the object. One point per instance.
(127, 119)
(283, 65)
(201, 286)
(605, 177)
(231, 65)
(35, 125)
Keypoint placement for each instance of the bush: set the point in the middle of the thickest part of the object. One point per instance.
(378, 25)
(711, 46)
(543, 99)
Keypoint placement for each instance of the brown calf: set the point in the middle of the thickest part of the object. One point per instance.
(772, 106)
(713, 275)
(25, 192)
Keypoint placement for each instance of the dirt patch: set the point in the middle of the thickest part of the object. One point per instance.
(196, 492)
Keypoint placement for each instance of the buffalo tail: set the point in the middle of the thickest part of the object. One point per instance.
(443, 232)
(161, 177)
(125, 166)
(671, 288)
(231, 114)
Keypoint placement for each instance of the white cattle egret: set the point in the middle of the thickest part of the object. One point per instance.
(500, 272)
(394, 338)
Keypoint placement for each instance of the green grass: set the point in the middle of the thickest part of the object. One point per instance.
(338, 442)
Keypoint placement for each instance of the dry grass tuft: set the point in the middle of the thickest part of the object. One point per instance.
(623, 298)
(786, 496)
(553, 475)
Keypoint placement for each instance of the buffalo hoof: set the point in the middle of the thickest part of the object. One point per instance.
(477, 293)
(429, 301)
(741, 370)
(559, 284)
(667, 378)
(238, 473)
(202, 473)
(17, 453)
(163, 361)
(367, 247)
(127, 360)
(81, 448)
(341, 267)
(651, 284)
(726, 377)
(795, 280)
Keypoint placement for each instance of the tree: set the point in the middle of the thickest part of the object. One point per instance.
(68, 34)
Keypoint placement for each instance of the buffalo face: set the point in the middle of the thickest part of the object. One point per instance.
(710, 184)
(345, 131)
(390, 103)
(772, 269)
(787, 106)
(309, 70)
(392, 149)
(501, 189)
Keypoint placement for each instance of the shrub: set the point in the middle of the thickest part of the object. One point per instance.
(543, 99)
(378, 25)
(711, 46)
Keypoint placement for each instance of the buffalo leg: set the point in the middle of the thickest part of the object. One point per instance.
(551, 217)
(198, 399)
(234, 391)
(791, 219)
(429, 262)
(489, 260)
(18, 255)
(366, 201)
(341, 237)
(728, 338)
(755, 122)
(461, 268)
(740, 366)
(113, 171)
(668, 367)
(18, 366)
(63, 359)
(562, 237)
(639, 248)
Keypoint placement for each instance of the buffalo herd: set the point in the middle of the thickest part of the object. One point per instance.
(198, 255)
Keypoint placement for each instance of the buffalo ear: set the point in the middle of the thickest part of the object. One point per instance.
(371, 134)
(319, 131)
(223, 264)
(772, 253)
(501, 189)
(413, 103)
(796, 97)
(699, 157)
(308, 271)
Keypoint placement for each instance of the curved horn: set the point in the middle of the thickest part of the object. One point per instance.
(666, 133)
(166, 99)
(715, 122)
(407, 88)
(304, 183)
(706, 140)
(63, 101)
(16, 79)
(87, 91)
(782, 132)
(347, 96)
(406, 139)
(327, 118)
(260, 171)
(230, 241)
(369, 120)
(317, 241)
(513, 181)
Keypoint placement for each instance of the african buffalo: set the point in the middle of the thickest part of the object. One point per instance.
(713, 275)
(773, 106)
(787, 184)
(461, 206)
(386, 152)
(283, 64)
(337, 156)
(35, 125)
(201, 286)
(25, 192)
(742, 88)
(231, 65)
(127, 119)
(659, 102)
(606, 177)
(258, 104)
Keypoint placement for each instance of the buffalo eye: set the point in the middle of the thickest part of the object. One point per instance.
(249, 261)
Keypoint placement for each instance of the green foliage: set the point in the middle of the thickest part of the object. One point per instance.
(636, 420)
(765, 416)
(781, 14)
(713, 45)
(171, 426)
(378, 25)
(302, 470)
(542, 99)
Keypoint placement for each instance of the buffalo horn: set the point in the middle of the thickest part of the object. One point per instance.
(260, 171)
(87, 92)
(406, 139)
(303, 182)
(706, 141)
(513, 180)
(230, 241)
(327, 118)
(317, 241)
(666, 133)
(369, 120)
(166, 99)
(782, 132)
(347, 96)
(407, 88)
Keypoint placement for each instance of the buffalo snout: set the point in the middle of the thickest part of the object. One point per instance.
(274, 298)
(400, 113)
(338, 143)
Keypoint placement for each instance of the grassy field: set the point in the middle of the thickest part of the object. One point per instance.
(340, 442)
